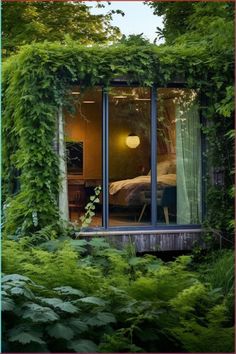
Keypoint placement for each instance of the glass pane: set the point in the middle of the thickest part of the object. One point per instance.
(178, 157)
(83, 130)
(129, 156)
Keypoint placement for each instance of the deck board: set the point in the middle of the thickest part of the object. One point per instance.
(153, 241)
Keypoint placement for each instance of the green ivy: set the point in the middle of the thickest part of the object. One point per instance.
(36, 83)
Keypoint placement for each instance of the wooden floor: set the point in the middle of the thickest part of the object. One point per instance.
(116, 220)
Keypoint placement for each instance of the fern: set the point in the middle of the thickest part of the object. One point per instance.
(103, 299)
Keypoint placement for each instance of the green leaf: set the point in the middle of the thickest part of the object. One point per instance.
(59, 304)
(99, 243)
(51, 245)
(58, 330)
(78, 325)
(7, 304)
(88, 206)
(101, 319)
(97, 191)
(68, 307)
(68, 290)
(20, 334)
(134, 261)
(93, 300)
(83, 346)
(106, 317)
(22, 291)
(15, 277)
(37, 313)
(154, 266)
(17, 291)
(79, 245)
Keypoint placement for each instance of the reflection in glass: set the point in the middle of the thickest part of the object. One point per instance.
(178, 157)
(129, 156)
(83, 131)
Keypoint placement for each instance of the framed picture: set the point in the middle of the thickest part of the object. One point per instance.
(75, 157)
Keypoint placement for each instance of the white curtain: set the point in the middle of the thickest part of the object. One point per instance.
(188, 163)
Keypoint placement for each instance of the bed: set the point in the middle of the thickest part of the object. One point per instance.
(129, 192)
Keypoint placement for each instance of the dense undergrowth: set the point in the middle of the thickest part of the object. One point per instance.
(74, 296)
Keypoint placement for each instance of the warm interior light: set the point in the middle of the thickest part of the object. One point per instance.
(132, 141)
(142, 99)
(88, 101)
(75, 93)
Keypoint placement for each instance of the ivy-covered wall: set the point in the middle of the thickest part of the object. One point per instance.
(35, 83)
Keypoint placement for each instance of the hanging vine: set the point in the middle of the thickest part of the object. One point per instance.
(35, 83)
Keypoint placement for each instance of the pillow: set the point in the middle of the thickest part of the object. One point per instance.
(162, 168)
(169, 179)
(172, 167)
(165, 167)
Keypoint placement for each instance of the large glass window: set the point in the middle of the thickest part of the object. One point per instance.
(178, 157)
(129, 155)
(83, 134)
(144, 152)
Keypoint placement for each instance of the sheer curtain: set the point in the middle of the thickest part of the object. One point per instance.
(188, 163)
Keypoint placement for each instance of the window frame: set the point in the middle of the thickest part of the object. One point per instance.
(153, 226)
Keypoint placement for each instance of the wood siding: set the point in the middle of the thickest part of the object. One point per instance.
(153, 242)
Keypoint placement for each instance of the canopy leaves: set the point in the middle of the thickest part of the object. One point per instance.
(26, 22)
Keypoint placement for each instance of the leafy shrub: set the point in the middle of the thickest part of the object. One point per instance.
(211, 334)
(36, 322)
(218, 270)
(79, 296)
(51, 269)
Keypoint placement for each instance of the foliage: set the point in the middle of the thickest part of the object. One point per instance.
(194, 19)
(25, 22)
(210, 25)
(175, 18)
(42, 76)
(218, 270)
(101, 299)
(74, 295)
(43, 323)
(134, 39)
(38, 80)
(90, 208)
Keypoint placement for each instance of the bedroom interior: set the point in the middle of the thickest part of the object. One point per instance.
(178, 158)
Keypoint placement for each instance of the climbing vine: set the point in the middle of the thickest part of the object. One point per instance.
(36, 83)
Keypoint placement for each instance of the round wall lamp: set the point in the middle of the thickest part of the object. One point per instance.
(132, 141)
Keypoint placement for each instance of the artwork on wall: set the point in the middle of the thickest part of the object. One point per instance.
(75, 160)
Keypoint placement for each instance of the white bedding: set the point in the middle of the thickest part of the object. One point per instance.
(168, 179)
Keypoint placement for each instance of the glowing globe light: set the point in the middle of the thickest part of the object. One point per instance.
(132, 141)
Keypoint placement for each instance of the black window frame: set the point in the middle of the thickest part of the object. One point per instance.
(153, 226)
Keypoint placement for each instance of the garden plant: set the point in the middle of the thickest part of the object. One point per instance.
(63, 293)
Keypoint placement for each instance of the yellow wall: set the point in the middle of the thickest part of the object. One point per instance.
(86, 125)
